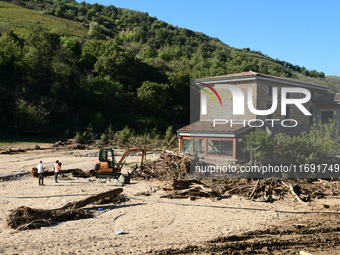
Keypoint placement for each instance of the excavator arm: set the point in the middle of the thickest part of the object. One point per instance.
(128, 152)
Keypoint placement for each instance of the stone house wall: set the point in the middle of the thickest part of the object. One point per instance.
(261, 99)
(216, 111)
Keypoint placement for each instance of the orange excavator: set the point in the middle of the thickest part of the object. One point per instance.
(107, 167)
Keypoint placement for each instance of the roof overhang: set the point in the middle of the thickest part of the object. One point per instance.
(219, 135)
(236, 133)
(288, 82)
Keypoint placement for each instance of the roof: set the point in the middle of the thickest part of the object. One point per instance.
(207, 127)
(251, 74)
(329, 98)
(292, 131)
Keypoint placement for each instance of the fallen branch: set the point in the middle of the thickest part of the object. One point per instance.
(254, 189)
(295, 195)
(93, 199)
(24, 217)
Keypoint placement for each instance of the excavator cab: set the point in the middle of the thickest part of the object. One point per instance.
(107, 155)
(106, 162)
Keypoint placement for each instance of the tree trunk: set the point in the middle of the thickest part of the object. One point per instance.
(92, 199)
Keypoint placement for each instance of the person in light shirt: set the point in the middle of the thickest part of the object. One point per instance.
(41, 173)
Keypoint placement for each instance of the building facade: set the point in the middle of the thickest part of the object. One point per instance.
(233, 105)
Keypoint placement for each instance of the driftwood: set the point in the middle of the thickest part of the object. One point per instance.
(11, 151)
(192, 189)
(295, 195)
(93, 199)
(24, 217)
(255, 187)
(76, 172)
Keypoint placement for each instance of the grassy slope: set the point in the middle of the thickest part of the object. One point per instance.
(23, 21)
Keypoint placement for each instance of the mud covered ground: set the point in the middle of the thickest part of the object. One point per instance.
(310, 233)
(155, 225)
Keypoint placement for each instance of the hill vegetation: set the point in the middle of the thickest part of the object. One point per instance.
(68, 66)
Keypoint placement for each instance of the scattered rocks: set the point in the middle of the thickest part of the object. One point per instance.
(87, 154)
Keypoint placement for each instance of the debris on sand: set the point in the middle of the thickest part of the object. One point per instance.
(192, 189)
(76, 172)
(269, 190)
(168, 166)
(24, 217)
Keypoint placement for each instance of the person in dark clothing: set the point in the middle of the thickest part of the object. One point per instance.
(41, 173)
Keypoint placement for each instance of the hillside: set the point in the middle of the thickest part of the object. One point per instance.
(68, 66)
(23, 21)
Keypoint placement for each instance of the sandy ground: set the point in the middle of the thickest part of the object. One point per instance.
(147, 223)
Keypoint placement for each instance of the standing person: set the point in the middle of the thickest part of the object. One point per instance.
(57, 168)
(41, 173)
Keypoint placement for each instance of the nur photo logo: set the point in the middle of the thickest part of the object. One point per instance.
(211, 92)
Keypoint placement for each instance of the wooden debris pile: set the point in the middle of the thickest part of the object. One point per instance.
(12, 151)
(76, 172)
(269, 190)
(24, 218)
(6, 150)
(170, 165)
(116, 199)
(192, 189)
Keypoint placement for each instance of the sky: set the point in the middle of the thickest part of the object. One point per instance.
(301, 32)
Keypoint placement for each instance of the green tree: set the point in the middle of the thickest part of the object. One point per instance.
(95, 31)
(154, 96)
(258, 143)
(11, 55)
(30, 117)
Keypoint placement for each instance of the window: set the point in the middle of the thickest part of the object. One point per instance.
(226, 148)
(220, 148)
(269, 90)
(186, 146)
(326, 116)
(193, 146)
(198, 146)
(208, 147)
(214, 147)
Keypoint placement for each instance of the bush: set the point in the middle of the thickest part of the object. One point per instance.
(314, 147)
(85, 137)
(124, 135)
(170, 136)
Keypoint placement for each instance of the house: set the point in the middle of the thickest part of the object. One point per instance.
(225, 108)
(327, 107)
